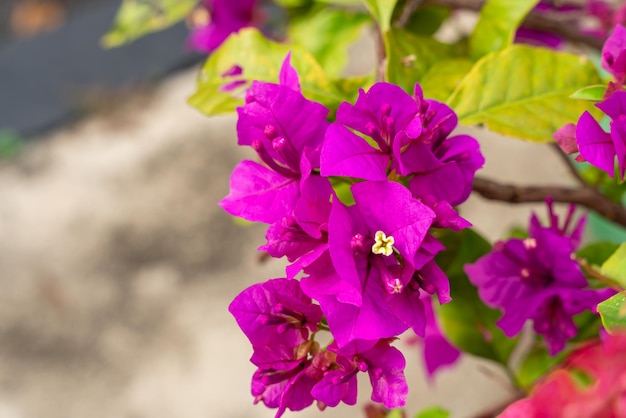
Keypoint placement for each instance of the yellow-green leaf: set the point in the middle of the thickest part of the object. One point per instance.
(327, 33)
(524, 92)
(497, 24)
(615, 266)
(410, 57)
(444, 77)
(136, 18)
(593, 93)
(261, 60)
(382, 10)
(613, 313)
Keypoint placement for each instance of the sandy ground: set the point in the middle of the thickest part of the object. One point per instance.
(118, 266)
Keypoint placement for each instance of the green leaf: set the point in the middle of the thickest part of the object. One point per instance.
(615, 267)
(512, 93)
(327, 34)
(593, 93)
(10, 144)
(261, 60)
(136, 18)
(410, 57)
(427, 19)
(467, 321)
(497, 24)
(444, 77)
(349, 86)
(382, 10)
(433, 412)
(613, 313)
(597, 253)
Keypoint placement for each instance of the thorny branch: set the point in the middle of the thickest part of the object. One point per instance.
(585, 196)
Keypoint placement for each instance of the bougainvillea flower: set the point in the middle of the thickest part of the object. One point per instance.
(286, 130)
(302, 237)
(384, 365)
(561, 395)
(265, 310)
(410, 137)
(278, 319)
(223, 18)
(374, 247)
(598, 147)
(537, 279)
(614, 54)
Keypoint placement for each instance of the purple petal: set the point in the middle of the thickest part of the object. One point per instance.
(331, 390)
(390, 207)
(438, 352)
(566, 138)
(258, 194)
(618, 135)
(386, 371)
(288, 75)
(373, 320)
(384, 110)
(346, 154)
(595, 145)
(613, 57)
(614, 105)
(265, 310)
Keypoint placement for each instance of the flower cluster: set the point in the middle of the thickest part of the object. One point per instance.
(351, 205)
(538, 279)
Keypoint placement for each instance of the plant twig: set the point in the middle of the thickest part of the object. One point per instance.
(409, 7)
(585, 196)
(590, 271)
(381, 56)
(534, 20)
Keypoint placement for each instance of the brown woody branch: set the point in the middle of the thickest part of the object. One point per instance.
(538, 21)
(585, 196)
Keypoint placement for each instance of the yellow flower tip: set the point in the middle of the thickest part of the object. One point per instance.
(383, 244)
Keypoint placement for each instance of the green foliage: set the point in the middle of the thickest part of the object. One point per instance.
(433, 412)
(10, 144)
(427, 19)
(496, 26)
(615, 266)
(597, 253)
(443, 78)
(467, 321)
(349, 86)
(511, 92)
(410, 57)
(613, 313)
(593, 93)
(261, 60)
(327, 33)
(382, 10)
(136, 18)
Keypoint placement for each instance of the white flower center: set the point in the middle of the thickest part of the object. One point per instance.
(383, 244)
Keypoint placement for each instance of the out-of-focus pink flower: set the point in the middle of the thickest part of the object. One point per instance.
(564, 394)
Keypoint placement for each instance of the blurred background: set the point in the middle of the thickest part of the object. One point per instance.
(117, 265)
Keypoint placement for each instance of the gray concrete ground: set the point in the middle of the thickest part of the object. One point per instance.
(118, 266)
